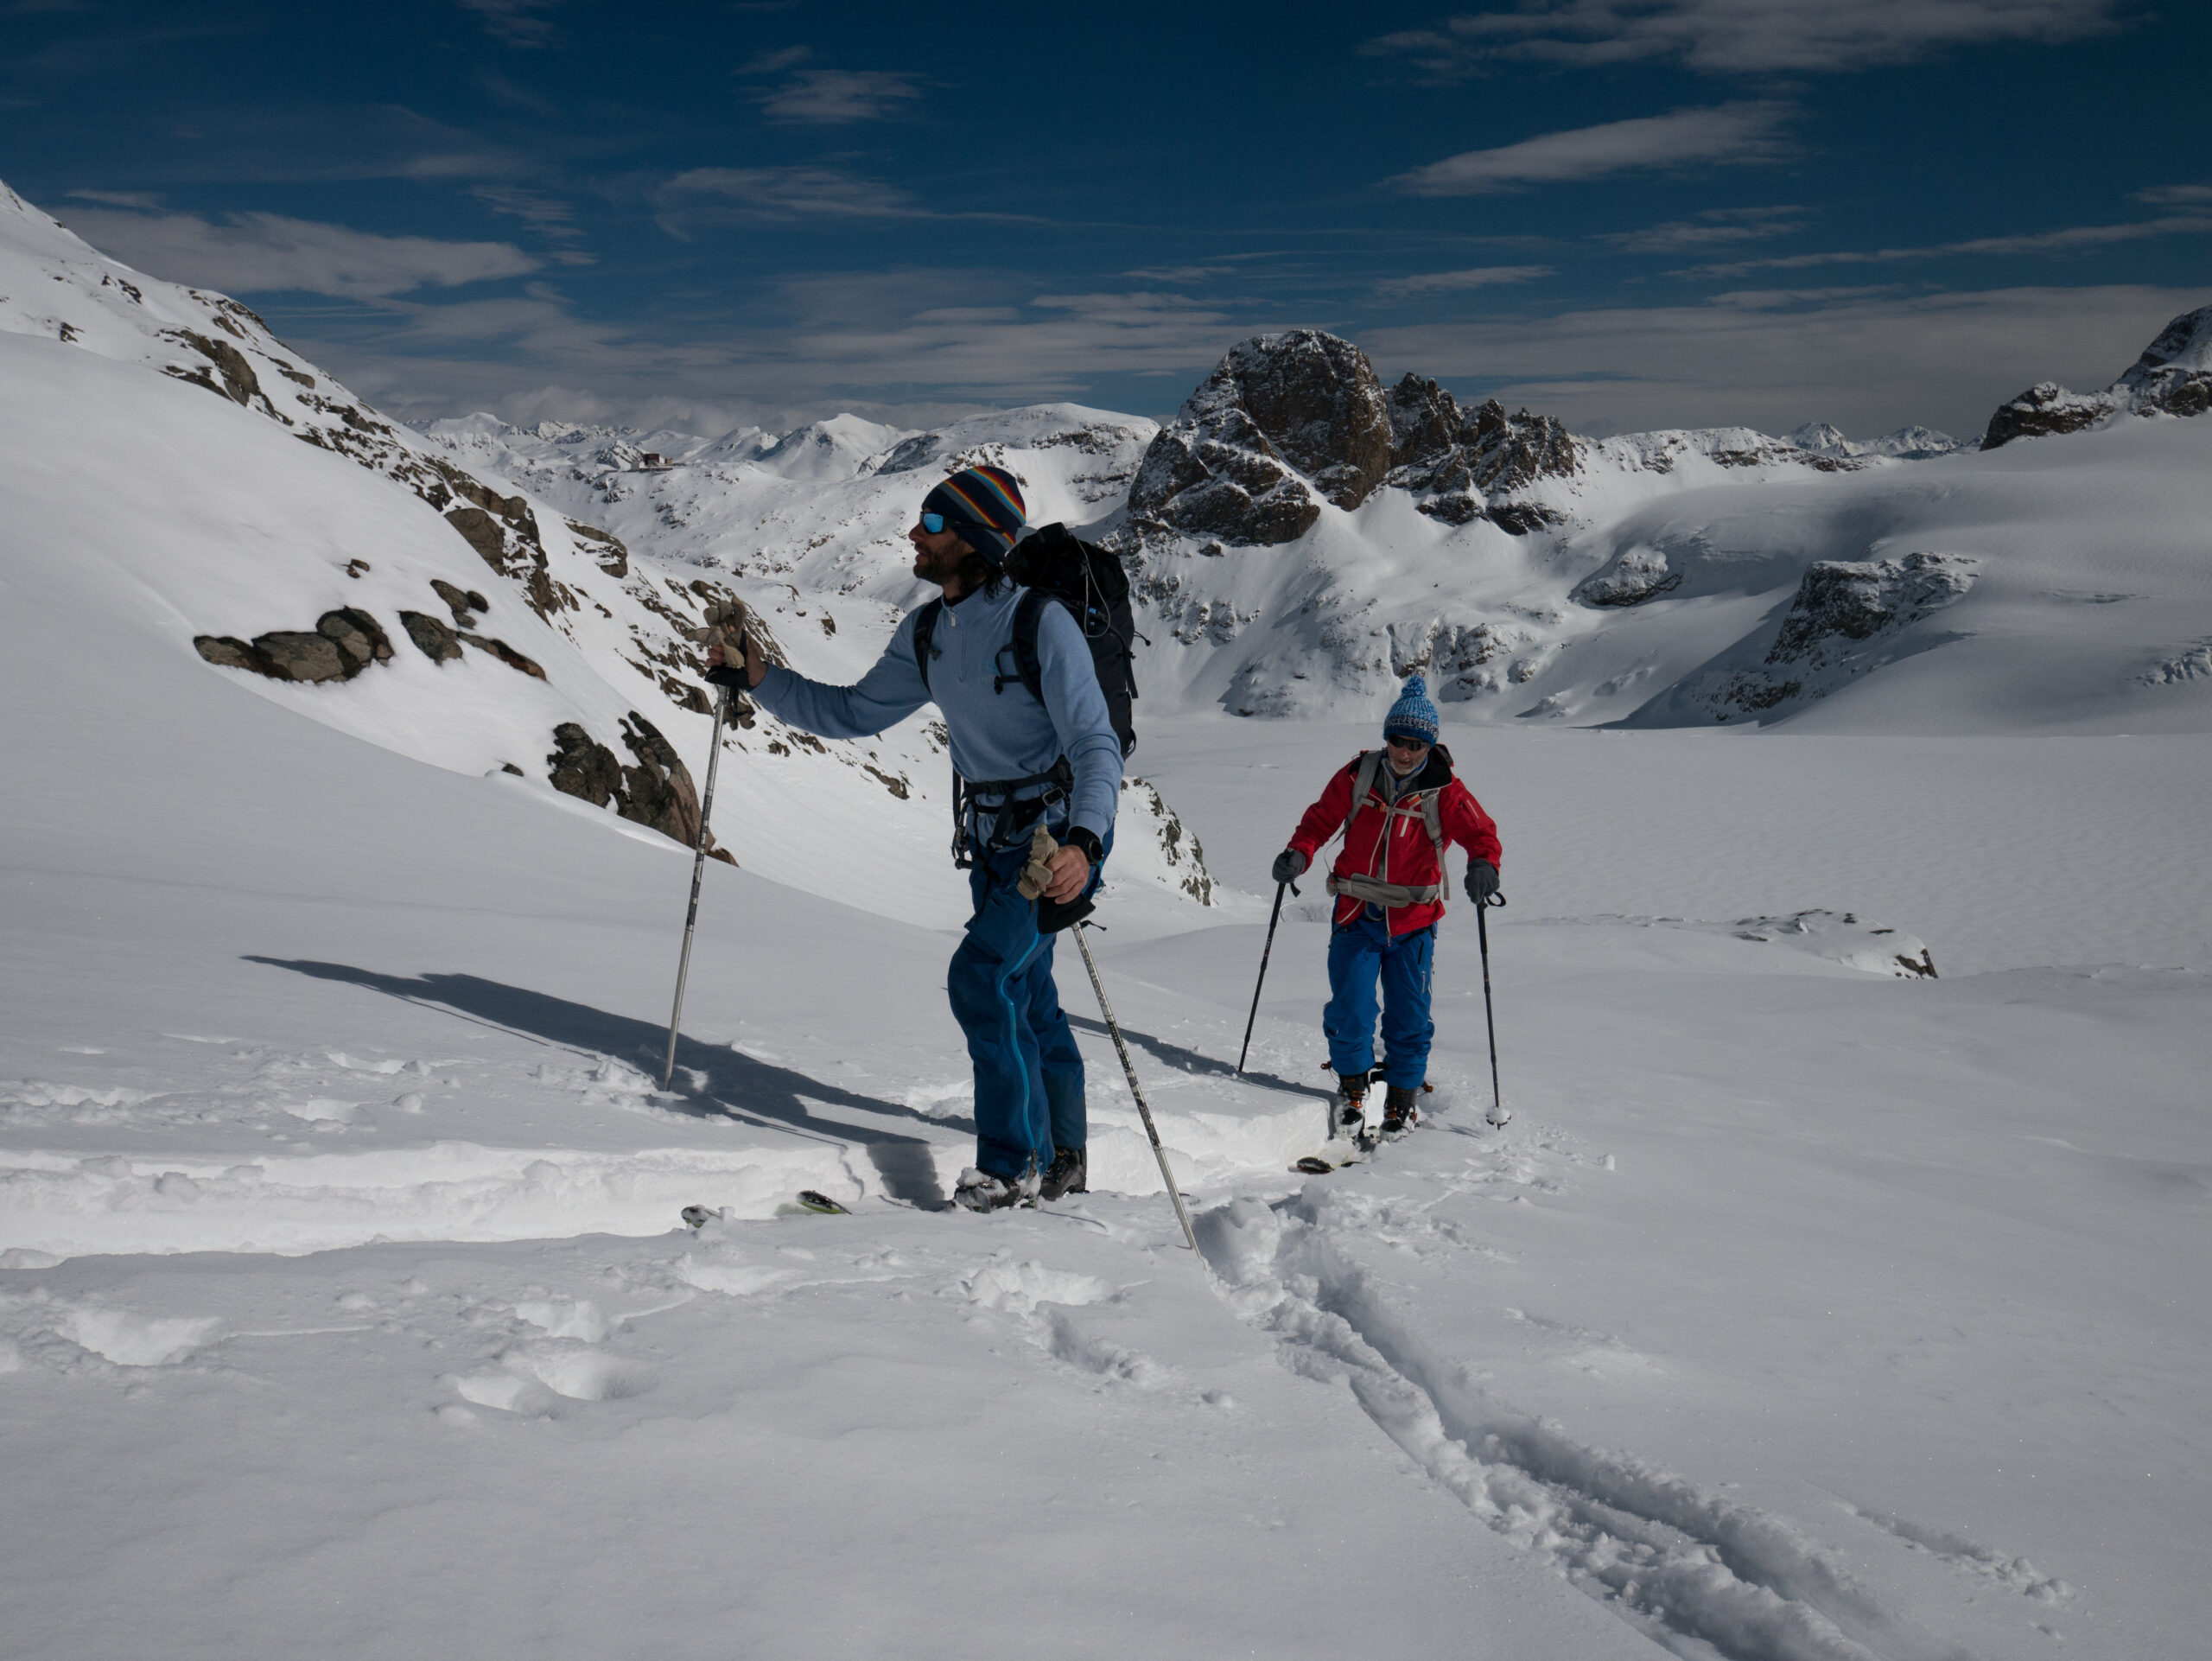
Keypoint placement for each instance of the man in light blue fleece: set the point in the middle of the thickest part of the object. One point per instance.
(1025, 759)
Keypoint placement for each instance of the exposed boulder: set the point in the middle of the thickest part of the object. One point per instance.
(505, 653)
(660, 794)
(438, 643)
(582, 766)
(657, 792)
(343, 643)
(239, 383)
(459, 600)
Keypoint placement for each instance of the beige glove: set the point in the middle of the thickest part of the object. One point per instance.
(725, 626)
(1037, 875)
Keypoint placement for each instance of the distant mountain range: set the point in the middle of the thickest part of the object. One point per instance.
(1299, 538)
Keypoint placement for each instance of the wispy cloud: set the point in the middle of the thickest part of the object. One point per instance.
(515, 22)
(1179, 273)
(774, 63)
(1723, 133)
(1869, 363)
(140, 199)
(263, 253)
(923, 337)
(2068, 240)
(1734, 36)
(837, 97)
(1714, 227)
(1481, 276)
(2176, 196)
(707, 196)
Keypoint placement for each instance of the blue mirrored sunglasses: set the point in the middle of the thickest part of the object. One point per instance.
(933, 523)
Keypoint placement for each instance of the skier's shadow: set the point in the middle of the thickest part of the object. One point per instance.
(770, 1095)
(1190, 1060)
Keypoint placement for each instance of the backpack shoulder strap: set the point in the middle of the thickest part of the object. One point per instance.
(1433, 817)
(1370, 762)
(924, 627)
(1028, 620)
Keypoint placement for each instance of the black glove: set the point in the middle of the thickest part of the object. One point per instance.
(1482, 880)
(1289, 866)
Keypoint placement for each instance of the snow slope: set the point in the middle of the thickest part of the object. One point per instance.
(164, 439)
(1808, 1311)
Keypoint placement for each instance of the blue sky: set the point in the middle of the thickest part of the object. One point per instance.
(1629, 212)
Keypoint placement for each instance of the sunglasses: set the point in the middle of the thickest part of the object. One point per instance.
(1405, 743)
(933, 523)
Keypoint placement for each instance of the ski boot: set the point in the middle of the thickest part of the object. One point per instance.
(1401, 1112)
(986, 1190)
(1069, 1173)
(1352, 1103)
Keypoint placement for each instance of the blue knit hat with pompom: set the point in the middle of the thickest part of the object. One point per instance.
(1413, 716)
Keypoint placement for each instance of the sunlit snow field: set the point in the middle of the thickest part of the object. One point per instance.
(1801, 1311)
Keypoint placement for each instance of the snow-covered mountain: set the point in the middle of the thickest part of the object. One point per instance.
(1909, 443)
(409, 593)
(1299, 537)
(343, 1300)
(2173, 378)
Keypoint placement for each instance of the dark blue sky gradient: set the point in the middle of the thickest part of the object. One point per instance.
(704, 213)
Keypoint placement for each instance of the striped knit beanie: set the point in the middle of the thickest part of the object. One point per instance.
(984, 506)
(1413, 716)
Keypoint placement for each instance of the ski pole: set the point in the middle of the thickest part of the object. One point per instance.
(1274, 916)
(1144, 1112)
(698, 871)
(1498, 1114)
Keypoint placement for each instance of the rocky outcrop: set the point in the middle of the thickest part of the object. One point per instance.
(1843, 620)
(604, 546)
(462, 603)
(1283, 420)
(655, 792)
(1286, 421)
(239, 383)
(2173, 377)
(1638, 574)
(342, 644)
(438, 643)
(2044, 409)
(505, 653)
(1456, 460)
(1855, 600)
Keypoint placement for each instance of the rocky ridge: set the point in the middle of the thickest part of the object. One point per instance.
(2173, 377)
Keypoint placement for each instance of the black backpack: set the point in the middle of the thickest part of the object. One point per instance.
(1051, 563)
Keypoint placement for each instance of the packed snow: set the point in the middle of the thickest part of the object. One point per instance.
(1834, 1292)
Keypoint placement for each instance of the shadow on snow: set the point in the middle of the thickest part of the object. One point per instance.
(773, 1097)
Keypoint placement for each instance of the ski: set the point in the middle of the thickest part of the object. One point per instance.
(808, 1203)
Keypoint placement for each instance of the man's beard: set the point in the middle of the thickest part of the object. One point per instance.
(938, 568)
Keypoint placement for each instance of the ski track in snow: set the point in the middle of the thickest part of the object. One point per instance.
(2018, 1573)
(1701, 1575)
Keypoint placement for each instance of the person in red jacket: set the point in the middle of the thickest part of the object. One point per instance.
(1389, 885)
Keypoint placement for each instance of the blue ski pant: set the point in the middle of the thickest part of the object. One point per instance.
(1361, 953)
(1028, 1071)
